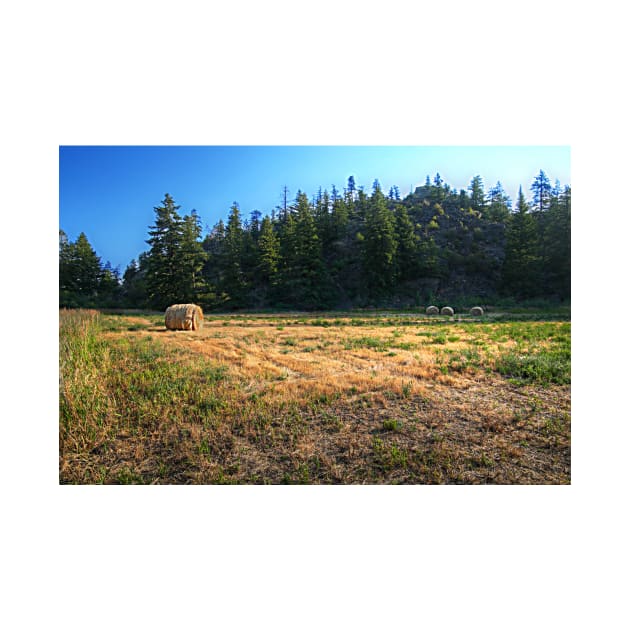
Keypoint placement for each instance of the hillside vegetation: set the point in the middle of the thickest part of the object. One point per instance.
(342, 250)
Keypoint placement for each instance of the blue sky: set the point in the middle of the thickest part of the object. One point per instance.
(109, 192)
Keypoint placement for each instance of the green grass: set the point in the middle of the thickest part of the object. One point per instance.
(391, 425)
(388, 458)
(115, 323)
(543, 367)
(372, 343)
(439, 339)
(126, 386)
(138, 406)
(459, 361)
(83, 357)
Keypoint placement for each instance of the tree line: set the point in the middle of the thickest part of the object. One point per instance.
(342, 249)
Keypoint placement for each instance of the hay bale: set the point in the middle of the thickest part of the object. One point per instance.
(183, 317)
(432, 310)
(476, 310)
(447, 310)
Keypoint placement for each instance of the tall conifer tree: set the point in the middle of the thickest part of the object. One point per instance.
(541, 190)
(163, 277)
(407, 250)
(379, 246)
(499, 205)
(521, 267)
(268, 254)
(192, 258)
(234, 284)
(477, 196)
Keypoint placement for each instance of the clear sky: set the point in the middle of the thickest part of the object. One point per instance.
(109, 192)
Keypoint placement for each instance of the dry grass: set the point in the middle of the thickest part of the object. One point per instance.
(273, 399)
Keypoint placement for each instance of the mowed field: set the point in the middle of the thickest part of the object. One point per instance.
(315, 399)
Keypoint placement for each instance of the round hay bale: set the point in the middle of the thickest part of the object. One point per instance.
(476, 310)
(432, 310)
(183, 317)
(447, 310)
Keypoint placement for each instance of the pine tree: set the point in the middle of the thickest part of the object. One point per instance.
(249, 260)
(234, 284)
(358, 209)
(134, 286)
(437, 190)
(541, 190)
(499, 205)
(324, 221)
(303, 274)
(477, 196)
(87, 267)
(288, 246)
(379, 247)
(351, 190)
(428, 259)
(557, 243)
(80, 272)
(339, 251)
(213, 269)
(268, 254)
(254, 223)
(163, 275)
(192, 258)
(339, 217)
(109, 288)
(283, 208)
(521, 267)
(407, 249)
(67, 281)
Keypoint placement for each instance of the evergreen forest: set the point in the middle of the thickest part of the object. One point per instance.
(342, 249)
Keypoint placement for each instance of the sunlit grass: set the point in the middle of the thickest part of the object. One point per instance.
(300, 399)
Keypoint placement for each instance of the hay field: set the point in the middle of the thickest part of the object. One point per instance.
(316, 399)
